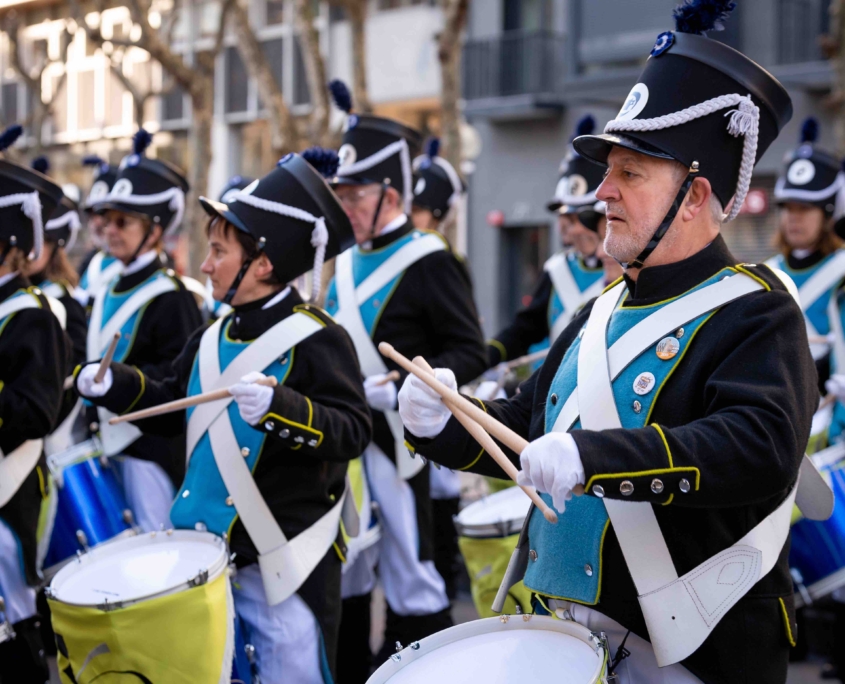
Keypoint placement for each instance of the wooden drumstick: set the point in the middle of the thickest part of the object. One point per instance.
(818, 339)
(827, 401)
(527, 359)
(187, 402)
(392, 376)
(489, 445)
(107, 359)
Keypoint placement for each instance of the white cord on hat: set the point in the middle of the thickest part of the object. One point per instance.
(69, 218)
(31, 207)
(399, 147)
(319, 236)
(176, 204)
(744, 121)
(782, 192)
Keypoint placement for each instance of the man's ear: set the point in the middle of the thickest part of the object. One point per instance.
(697, 199)
(156, 234)
(395, 197)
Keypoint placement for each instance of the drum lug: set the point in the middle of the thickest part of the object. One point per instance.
(399, 646)
(504, 619)
(82, 538)
(107, 606)
(415, 645)
(199, 580)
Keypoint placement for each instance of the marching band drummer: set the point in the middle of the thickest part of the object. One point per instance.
(404, 286)
(34, 353)
(295, 439)
(680, 399)
(154, 313)
(809, 193)
(98, 268)
(570, 277)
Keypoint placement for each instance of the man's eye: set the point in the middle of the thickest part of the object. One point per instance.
(629, 174)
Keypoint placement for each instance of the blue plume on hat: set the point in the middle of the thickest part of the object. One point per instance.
(8, 137)
(141, 141)
(700, 16)
(433, 147)
(323, 160)
(41, 164)
(810, 130)
(93, 160)
(340, 95)
(586, 125)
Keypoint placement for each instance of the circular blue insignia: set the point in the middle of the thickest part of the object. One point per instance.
(804, 152)
(284, 160)
(351, 122)
(664, 41)
(133, 160)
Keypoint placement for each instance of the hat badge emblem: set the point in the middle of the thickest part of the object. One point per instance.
(99, 190)
(801, 172)
(664, 41)
(123, 188)
(635, 103)
(419, 188)
(347, 155)
(577, 185)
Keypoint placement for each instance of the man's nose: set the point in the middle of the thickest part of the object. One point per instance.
(607, 190)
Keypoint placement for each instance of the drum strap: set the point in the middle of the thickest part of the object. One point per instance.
(285, 564)
(117, 437)
(834, 315)
(817, 285)
(14, 304)
(350, 299)
(568, 291)
(16, 467)
(680, 612)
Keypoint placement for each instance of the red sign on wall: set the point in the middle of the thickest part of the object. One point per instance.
(756, 202)
(496, 218)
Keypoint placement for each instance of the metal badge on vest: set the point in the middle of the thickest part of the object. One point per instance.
(353, 299)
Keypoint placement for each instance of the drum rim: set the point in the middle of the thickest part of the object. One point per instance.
(475, 628)
(110, 548)
(822, 588)
(499, 529)
(52, 571)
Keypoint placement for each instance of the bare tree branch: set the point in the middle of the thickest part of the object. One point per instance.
(315, 72)
(356, 11)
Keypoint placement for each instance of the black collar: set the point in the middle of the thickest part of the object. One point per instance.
(15, 284)
(381, 241)
(127, 282)
(656, 283)
(249, 321)
(806, 262)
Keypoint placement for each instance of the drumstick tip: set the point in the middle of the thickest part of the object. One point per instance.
(385, 348)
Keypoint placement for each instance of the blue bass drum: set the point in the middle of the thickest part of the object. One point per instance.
(91, 508)
(817, 554)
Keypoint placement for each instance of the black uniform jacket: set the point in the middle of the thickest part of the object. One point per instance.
(322, 399)
(736, 416)
(34, 354)
(529, 326)
(165, 325)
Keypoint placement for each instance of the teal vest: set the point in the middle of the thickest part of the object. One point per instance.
(816, 313)
(364, 264)
(203, 501)
(108, 260)
(567, 558)
(113, 302)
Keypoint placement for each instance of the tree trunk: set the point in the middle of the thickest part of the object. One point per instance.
(357, 13)
(283, 134)
(315, 71)
(836, 53)
(449, 55)
(199, 161)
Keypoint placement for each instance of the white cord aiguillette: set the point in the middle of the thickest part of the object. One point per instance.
(31, 207)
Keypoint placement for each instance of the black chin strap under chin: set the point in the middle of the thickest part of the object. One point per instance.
(147, 234)
(236, 283)
(667, 220)
(384, 185)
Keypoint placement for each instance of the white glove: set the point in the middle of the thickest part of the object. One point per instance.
(381, 397)
(836, 386)
(552, 464)
(253, 400)
(420, 407)
(85, 381)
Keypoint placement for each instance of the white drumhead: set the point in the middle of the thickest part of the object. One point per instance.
(137, 568)
(493, 652)
(506, 509)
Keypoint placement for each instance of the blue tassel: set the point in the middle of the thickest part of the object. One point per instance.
(8, 137)
(699, 16)
(586, 125)
(433, 147)
(809, 130)
(141, 141)
(41, 164)
(324, 161)
(93, 160)
(341, 96)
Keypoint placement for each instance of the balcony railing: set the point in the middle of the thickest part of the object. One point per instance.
(515, 63)
(801, 23)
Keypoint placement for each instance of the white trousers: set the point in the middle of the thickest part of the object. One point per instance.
(286, 636)
(445, 483)
(411, 586)
(19, 598)
(638, 668)
(149, 493)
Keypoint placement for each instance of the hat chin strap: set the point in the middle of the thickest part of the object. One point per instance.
(236, 283)
(663, 228)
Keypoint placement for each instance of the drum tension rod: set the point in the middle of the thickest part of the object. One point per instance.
(199, 580)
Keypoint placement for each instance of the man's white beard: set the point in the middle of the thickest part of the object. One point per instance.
(624, 248)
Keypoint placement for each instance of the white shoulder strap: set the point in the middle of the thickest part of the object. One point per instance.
(53, 290)
(59, 311)
(822, 280)
(16, 466)
(834, 315)
(99, 335)
(272, 344)
(19, 303)
(567, 291)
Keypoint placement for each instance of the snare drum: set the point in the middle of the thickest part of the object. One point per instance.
(817, 554)
(159, 605)
(488, 530)
(91, 508)
(518, 648)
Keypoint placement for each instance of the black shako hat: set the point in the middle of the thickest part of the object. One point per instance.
(811, 176)
(148, 187)
(437, 186)
(64, 224)
(578, 178)
(699, 101)
(104, 177)
(27, 198)
(374, 149)
(233, 186)
(294, 217)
